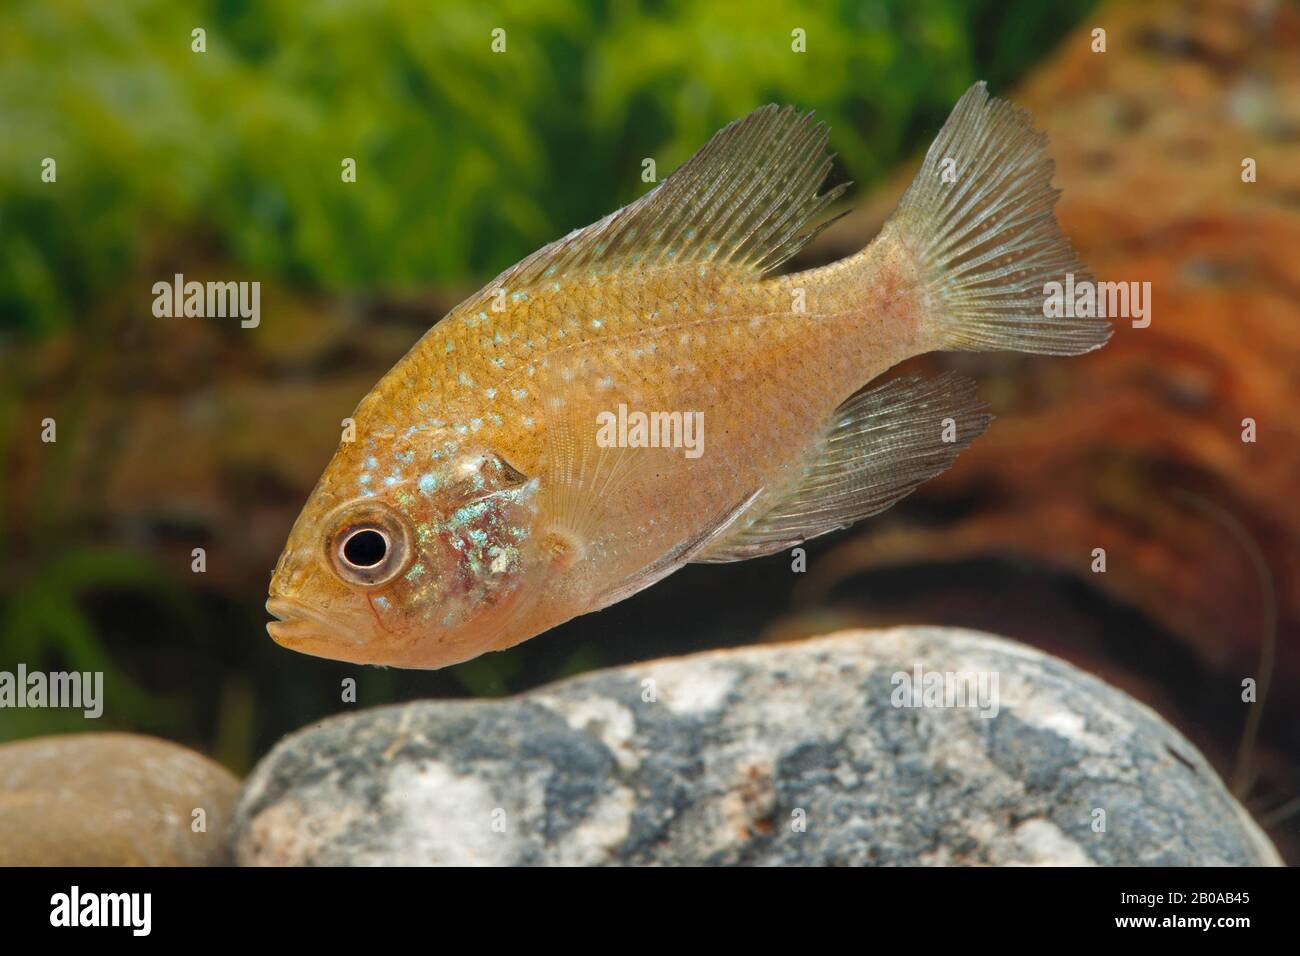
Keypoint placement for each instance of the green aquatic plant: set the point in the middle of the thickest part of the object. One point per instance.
(467, 157)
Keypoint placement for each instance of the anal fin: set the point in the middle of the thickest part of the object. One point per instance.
(881, 444)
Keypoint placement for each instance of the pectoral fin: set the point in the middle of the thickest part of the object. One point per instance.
(682, 555)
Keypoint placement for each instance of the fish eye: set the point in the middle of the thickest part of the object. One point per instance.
(365, 547)
(370, 546)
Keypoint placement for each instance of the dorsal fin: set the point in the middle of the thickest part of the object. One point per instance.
(745, 199)
(881, 444)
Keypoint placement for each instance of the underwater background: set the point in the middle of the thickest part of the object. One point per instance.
(176, 434)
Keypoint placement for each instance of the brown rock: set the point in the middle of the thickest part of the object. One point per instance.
(111, 800)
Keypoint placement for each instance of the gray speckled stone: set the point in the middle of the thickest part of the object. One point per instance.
(715, 759)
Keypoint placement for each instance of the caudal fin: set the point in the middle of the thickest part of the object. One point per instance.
(979, 218)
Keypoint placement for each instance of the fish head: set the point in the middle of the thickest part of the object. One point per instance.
(420, 567)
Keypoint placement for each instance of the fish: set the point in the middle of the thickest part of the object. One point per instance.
(651, 391)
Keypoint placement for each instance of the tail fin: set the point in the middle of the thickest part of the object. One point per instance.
(979, 216)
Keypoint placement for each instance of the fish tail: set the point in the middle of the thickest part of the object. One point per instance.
(978, 219)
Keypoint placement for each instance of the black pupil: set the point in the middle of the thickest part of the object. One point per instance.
(365, 548)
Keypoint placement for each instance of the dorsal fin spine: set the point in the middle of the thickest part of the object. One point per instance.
(744, 201)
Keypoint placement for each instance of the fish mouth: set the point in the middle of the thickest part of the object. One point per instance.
(296, 626)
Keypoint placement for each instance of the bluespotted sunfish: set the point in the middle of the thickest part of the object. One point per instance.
(647, 392)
